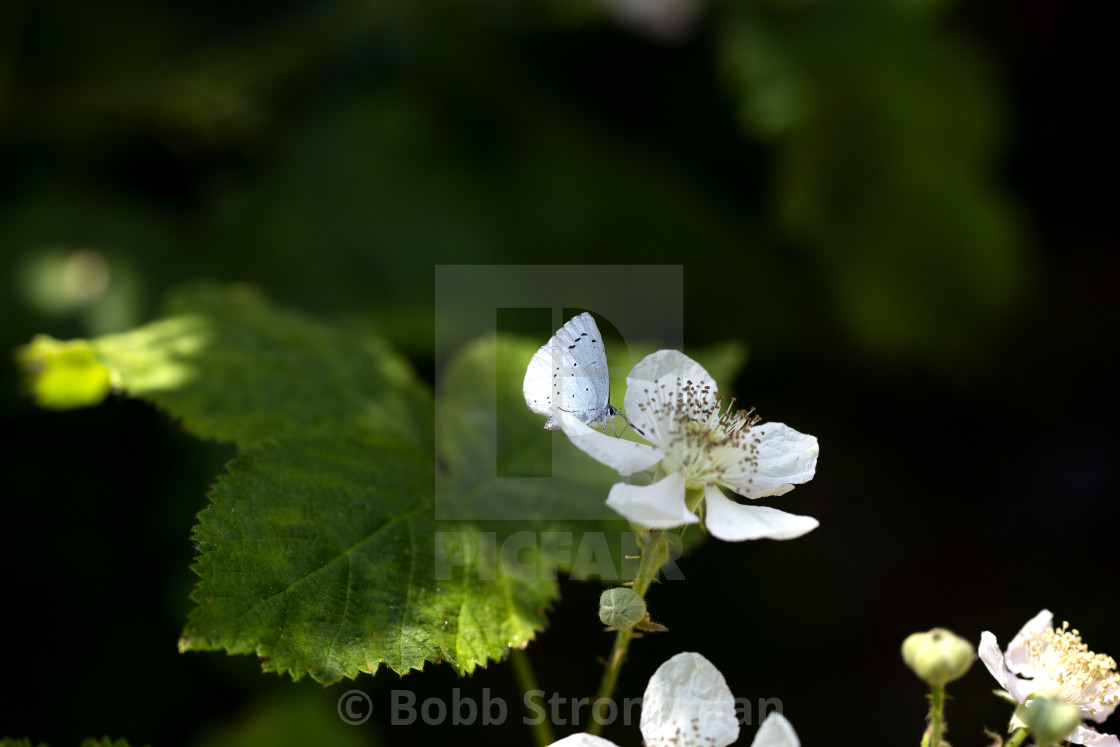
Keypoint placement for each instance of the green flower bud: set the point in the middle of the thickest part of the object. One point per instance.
(1050, 720)
(621, 608)
(938, 656)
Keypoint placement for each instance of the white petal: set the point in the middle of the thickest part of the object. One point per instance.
(657, 506)
(776, 731)
(733, 522)
(784, 458)
(688, 703)
(1020, 689)
(1018, 653)
(672, 363)
(583, 740)
(1091, 738)
(656, 376)
(625, 456)
(992, 657)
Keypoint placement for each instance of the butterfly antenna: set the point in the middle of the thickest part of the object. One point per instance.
(637, 430)
(628, 423)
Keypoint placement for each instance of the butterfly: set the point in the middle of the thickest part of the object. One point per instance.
(569, 373)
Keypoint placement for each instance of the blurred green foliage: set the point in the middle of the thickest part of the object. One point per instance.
(885, 131)
(821, 168)
(62, 375)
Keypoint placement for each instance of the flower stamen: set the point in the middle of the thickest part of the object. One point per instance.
(1065, 668)
(704, 440)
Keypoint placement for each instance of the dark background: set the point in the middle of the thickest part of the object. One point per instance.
(904, 209)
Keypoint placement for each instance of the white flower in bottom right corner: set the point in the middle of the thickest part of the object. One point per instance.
(1049, 662)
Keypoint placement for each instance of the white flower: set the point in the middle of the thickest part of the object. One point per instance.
(699, 444)
(687, 703)
(1048, 662)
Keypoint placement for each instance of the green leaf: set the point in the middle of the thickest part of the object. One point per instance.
(320, 551)
(322, 556)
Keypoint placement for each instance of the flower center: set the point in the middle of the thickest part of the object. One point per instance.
(1065, 668)
(702, 440)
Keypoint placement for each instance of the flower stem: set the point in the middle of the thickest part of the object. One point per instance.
(654, 548)
(936, 714)
(527, 680)
(610, 677)
(1017, 738)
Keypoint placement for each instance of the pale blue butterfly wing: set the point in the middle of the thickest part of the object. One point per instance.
(570, 373)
